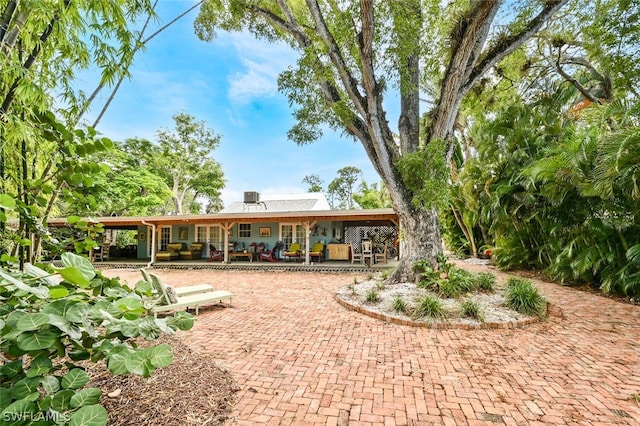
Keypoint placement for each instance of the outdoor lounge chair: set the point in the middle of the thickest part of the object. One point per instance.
(271, 255)
(293, 252)
(194, 300)
(194, 252)
(172, 252)
(317, 250)
(180, 291)
(215, 254)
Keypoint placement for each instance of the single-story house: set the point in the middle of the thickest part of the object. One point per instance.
(302, 218)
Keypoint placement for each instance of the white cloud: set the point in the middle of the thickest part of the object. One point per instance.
(262, 62)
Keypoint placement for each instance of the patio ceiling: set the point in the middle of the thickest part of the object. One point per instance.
(361, 216)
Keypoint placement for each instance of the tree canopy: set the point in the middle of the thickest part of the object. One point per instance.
(353, 53)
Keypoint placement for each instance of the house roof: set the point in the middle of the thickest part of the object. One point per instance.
(282, 203)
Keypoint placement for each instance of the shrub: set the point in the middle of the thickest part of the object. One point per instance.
(471, 309)
(449, 289)
(457, 283)
(485, 281)
(380, 285)
(385, 274)
(523, 297)
(372, 296)
(369, 276)
(84, 316)
(430, 307)
(399, 305)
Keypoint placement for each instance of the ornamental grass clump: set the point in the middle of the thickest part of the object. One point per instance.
(523, 297)
(484, 281)
(372, 296)
(430, 307)
(471, 309)
(399, 305)
(457, 283)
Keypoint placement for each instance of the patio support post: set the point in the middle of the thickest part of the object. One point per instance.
(226, 226)
(307, 256)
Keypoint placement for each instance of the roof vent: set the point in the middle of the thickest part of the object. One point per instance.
(251, 197)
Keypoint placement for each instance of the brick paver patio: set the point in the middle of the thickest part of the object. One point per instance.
(300, 358)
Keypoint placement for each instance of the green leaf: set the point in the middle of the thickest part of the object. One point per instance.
(75, 379)
(39, 366)
(50, 384)
(33, 321)
(129, 304)
(137, 363)
(40, 292)
(92, 415)
(117, 364)
(24, 387)
(73, 219)
(75, 276)
(5, 398)
(82, 263)
(86, 397)
(78, 313)
(149, 329)
(144, 288)
(58, 292)
(7, 202)
(62, 400)
(65, 326)
(11, 369)
(127, 328)
(58, 307)
(18, 410)
(38, 340)
(182, 321)
(160, 356)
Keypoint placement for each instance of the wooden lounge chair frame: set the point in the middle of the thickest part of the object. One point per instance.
(191, 300)
(180, 291)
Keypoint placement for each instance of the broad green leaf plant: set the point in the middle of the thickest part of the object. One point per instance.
(53, 319)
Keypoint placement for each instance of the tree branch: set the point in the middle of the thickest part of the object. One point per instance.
(575, 82)
(466, 37)
(510, 44)
(348, 81)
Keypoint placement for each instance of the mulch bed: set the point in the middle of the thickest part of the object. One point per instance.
(193, 390)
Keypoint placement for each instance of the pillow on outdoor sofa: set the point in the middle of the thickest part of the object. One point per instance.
(171, 294)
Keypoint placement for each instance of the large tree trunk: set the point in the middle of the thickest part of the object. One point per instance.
(420, 241)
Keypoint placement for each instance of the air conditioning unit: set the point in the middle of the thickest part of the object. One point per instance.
(251, 197)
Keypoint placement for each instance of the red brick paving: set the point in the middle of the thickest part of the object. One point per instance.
(302, 359)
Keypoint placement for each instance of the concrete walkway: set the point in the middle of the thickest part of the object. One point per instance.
(300, 358)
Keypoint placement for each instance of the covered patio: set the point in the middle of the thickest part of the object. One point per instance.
(340, 232)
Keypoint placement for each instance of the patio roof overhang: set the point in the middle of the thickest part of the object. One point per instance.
(372, 216)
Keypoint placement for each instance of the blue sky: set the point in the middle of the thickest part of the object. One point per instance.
(230, 83)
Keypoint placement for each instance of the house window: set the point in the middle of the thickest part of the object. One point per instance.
(165, 237)
(244, 230)
(292, 233)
